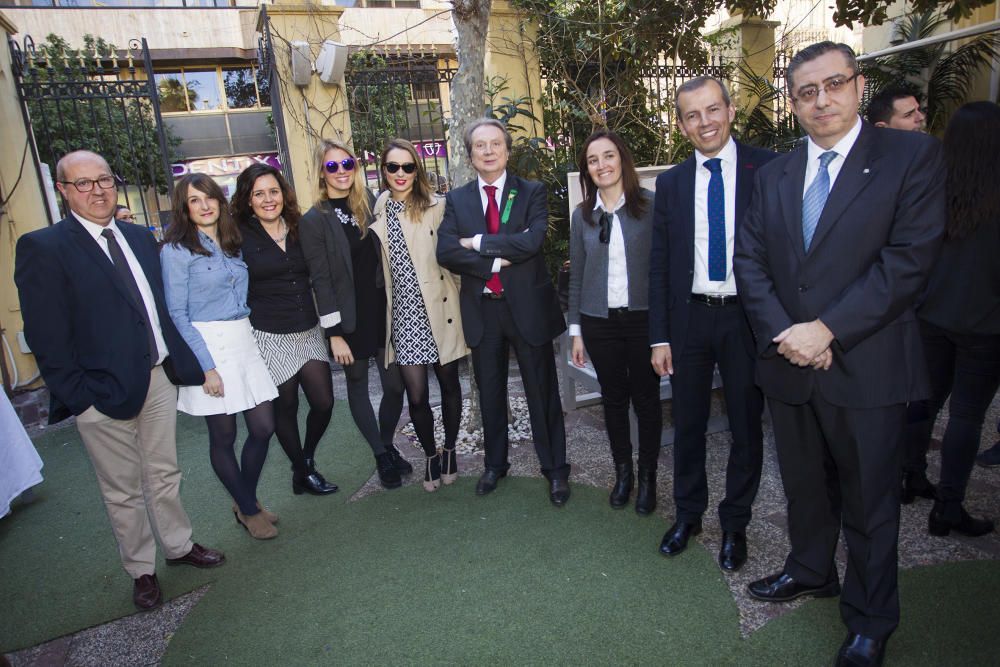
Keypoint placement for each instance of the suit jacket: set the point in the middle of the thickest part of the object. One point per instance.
(438, 287)
(872, 251)
(588, 262)
(526, 282)
(83, 326)
(671, 262)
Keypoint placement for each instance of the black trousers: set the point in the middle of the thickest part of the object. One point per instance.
(490, 361)
(967, 367)
(618, 346)
(716, 336)
(836, 466)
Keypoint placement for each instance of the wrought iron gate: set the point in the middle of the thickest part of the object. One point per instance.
(265, 58)
(92, 99)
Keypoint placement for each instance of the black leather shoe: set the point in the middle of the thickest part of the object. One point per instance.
(146, 593)
(916, 484)
(313, 483)
(402, 465)
(676, 539)
(624, 481)
(388, 474)
(781, 587)
(558, 491)
(860, 651)
(964, 524)
(733, 553)
(645, 497)
(488, 481)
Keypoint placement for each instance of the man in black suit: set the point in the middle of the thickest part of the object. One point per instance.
(696, 320)
(492, 236)
(95, 317)
(838, 242)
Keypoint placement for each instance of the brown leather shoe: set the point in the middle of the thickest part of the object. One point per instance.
(199, 556)
(146, 593)
(257, 525)
(268, 514)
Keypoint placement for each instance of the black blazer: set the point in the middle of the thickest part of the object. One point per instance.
(873, 249)
(526, 282)
(671, 260)
(84, 327)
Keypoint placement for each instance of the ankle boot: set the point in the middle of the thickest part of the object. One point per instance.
(268, 514)
(941, 522)
(257, 525)
(624, 481)
(645, 498)
(311, 481)
(401, 464)
(388, 475)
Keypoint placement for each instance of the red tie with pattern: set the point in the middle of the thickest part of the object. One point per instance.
(493, 227)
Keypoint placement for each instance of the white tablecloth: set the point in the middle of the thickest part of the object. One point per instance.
(20, 465)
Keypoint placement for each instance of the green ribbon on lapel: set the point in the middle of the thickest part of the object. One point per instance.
(506, 209)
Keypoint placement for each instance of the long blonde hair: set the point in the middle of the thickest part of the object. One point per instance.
(357, 199)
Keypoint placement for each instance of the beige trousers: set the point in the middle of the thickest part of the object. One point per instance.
(136, 465)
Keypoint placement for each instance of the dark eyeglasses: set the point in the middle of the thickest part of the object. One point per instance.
(605, 235)
(333, 166)
(106, 182)
(393, 167)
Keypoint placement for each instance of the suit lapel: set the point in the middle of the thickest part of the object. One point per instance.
(473, 205)
(854, 176)
(790, 197)
(90, 247)
(510, 184)
(744, 181)
(686, 182)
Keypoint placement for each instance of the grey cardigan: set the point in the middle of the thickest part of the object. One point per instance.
(588, 263)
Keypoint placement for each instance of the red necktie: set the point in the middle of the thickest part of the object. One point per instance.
(492, 227)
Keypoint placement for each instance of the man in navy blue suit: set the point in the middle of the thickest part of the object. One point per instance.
(94, 315)
(696, 319)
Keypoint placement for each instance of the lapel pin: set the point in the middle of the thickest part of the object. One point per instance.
(865, 171)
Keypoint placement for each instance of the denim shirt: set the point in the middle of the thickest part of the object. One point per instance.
(203, 288)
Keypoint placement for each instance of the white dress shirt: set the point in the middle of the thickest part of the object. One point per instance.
(841, 148)
(701, 283)
(95, 230)
(497, 195)
(617, 263)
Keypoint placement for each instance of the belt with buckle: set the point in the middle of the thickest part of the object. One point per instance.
(715, 300)
(493, 295)
(617, 311)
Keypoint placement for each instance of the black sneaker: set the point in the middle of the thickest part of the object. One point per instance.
(402, 466)
(990, 458)
(388, 475)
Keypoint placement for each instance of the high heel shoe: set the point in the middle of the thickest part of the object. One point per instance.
(257, 525)
(449, 465)
(268, 514)
(432, 473)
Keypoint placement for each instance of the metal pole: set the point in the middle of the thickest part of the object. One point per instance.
(161, 133)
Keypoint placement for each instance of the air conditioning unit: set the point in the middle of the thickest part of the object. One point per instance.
(301, 63)
(331, 62)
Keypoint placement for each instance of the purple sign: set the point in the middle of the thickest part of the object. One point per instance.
(223, 166)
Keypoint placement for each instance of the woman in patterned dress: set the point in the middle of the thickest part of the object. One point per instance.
(425, 326)
(283, 316)
(347, 279)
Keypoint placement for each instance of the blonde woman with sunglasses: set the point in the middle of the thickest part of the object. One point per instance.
(347, 280)
(424, 321)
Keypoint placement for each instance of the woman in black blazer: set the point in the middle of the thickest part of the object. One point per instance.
(346, 272)
(960, 314)
(608, 307)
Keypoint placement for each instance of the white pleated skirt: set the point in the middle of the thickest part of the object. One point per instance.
(246, 381)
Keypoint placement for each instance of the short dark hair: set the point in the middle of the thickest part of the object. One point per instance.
(480, 122)
(881, 106)
(814, 51)
(696, 83)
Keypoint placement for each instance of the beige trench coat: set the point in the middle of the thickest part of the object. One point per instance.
(438, 286)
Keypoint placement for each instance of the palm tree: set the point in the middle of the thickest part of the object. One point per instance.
(942, 74)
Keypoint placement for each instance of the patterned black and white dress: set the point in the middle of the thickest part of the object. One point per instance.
(412, 338)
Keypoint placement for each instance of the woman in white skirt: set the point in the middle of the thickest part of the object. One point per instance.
(205, 280)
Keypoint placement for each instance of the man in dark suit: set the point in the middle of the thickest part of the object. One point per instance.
(95, 317)
(696, 320)
(838, 242)
(492, 236)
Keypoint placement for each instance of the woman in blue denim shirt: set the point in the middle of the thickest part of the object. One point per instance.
(205, 281)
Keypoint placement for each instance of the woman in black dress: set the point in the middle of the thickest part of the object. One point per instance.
(283, 316)
(346, 272)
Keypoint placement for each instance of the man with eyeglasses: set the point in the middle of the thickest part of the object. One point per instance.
(94, 315)
(897, 108)
(838, 242)
(695, 317)
(492, 235)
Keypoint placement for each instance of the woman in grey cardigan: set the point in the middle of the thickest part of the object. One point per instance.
(608, 303)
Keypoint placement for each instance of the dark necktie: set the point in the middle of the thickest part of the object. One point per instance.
(125, 274)
(716, 221)
(493, 227)
(815, 198)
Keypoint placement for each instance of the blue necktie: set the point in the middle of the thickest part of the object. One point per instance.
(815, 198)
(716, 221)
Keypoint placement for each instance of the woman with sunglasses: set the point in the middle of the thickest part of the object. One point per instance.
(205, 284)
(284, 319)
(346, 272)
(425, 325)
(610, 233)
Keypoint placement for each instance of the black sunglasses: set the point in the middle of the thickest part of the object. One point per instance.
(605, 234)
(333, 166)
(393, 167)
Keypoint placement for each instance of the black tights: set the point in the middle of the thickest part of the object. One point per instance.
(378, 434)
(241, 479)
(415, 381)
(315, 380)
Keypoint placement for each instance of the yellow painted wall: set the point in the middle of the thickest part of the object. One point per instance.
(24, 213)
(510, 53)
